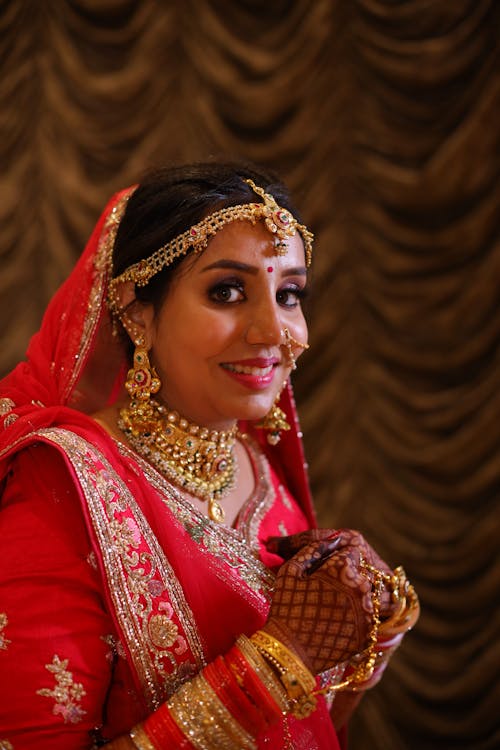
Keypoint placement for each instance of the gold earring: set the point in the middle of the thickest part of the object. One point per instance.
(142, 382)
(289, 340)
(274, 421)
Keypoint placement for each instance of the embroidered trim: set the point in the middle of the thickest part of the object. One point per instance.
(226, 545)
(67, 693)
(6, 745)
(252, 513)
(4, 641)
(146, 595)
(282, 529)
(284, 497)
(98, 290)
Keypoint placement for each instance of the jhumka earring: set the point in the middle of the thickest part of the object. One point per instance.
(274, 421)
(142, 382)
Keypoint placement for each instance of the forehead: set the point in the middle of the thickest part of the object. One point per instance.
(251, 243)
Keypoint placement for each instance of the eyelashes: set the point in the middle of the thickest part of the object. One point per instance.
(291, 295)
(227, 292)
(231, 291)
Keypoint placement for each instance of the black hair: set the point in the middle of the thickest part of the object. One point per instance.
(170, 200)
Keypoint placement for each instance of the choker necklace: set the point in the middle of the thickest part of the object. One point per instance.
(196, 459)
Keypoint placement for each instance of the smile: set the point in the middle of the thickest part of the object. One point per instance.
(249, 370)
(256, 374)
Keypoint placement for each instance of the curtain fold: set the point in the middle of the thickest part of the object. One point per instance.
(383, 118)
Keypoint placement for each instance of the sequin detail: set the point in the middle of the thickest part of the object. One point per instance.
(67, 693)
(4, 641)
(6, 405)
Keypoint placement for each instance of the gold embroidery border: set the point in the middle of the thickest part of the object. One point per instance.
(131, 614)
(98, 291)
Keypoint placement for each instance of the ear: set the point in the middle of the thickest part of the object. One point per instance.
(137, 317)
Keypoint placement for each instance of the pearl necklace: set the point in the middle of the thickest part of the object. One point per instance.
(196, 459)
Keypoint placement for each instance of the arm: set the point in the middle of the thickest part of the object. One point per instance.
(324, 612)
(55, 666)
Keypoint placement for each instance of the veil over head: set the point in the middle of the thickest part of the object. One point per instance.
(74, 362)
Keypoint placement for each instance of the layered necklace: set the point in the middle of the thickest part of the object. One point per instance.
(196, 459)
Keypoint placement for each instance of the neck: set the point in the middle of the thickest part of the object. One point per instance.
(198, 459)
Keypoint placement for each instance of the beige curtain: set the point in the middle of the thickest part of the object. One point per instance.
(383, 117)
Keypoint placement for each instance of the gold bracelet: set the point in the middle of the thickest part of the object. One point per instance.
(407, 613)
(297, 680)
(404, 618)
(140, 739)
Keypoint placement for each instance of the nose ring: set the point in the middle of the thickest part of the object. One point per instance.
(289, 340)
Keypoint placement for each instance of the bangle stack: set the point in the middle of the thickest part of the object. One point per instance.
(385, 636)
(298, 682)
(260, 681)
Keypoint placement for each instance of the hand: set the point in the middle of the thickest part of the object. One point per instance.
(288, 546)
(322, 605)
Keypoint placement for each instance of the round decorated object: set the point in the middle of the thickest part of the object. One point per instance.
(282, 218)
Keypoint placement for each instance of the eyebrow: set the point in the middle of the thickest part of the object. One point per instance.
(237, 265)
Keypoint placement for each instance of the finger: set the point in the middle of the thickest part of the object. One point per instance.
(311, 554)
(288, 546)
(324, 551)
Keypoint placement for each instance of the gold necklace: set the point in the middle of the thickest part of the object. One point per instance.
(196, 459)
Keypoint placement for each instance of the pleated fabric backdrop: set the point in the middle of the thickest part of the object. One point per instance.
(383, 117)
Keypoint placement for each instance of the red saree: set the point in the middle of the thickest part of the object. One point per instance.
(113, 589)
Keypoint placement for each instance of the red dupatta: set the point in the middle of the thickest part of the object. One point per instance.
(74, 367)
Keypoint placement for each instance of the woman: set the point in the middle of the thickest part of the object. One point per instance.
(149, 504)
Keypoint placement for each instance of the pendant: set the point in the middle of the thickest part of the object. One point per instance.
(215, 511)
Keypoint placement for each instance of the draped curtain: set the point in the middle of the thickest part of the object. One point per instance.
(383, 118)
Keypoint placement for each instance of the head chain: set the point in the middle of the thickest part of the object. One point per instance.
(279, 221)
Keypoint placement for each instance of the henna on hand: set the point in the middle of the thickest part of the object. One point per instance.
(289, 546)
(326, 613)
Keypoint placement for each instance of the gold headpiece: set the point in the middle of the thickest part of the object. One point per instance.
(279, 221)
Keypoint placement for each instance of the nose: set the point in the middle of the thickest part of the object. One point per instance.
(264, 325)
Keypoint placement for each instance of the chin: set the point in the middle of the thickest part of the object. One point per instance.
(255, 412)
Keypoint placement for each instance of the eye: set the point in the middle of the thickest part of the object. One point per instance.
(227, 292)
(290, 296)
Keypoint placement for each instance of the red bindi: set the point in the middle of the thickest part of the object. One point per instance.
(270, 269)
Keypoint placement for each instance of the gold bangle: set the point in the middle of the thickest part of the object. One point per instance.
(264, 672)
(205, 721)
(408, 611)
(140, 739)
(297, 680)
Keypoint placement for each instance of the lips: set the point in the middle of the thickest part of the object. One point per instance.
(257, 373)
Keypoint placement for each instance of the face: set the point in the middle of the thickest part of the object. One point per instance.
(217, 341)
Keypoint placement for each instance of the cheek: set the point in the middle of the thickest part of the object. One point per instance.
(217, 332)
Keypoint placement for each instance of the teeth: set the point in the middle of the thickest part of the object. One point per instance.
(245, 370)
